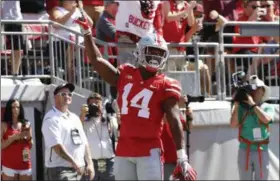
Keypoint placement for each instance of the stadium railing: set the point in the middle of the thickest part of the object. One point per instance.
(49, 55)
(265, 65)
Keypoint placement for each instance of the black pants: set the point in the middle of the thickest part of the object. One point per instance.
(209, 34)
(15, 41)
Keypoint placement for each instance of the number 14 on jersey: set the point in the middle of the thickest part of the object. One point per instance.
(141, 101)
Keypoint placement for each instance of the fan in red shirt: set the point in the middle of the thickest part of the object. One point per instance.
(16, 143)
(251, 13)
(177, 15)
(170, 157)
(145, 95)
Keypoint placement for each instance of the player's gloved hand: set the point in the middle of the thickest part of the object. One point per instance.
(183, 170)
(85, 27)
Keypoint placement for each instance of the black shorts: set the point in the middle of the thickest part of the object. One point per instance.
(15, 41)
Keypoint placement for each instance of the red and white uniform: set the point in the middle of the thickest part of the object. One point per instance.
(12, 156)
(169, 146)
(140, 102)
(130, 19)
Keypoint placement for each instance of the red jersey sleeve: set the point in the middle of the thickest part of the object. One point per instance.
(172, 88)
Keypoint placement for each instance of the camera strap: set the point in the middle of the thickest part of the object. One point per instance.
(249, 143)
(111, 133)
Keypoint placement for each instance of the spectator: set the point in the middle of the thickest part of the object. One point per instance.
(276, 6)
(176, 15)
(134, 20)
(67, 154)
(106, 31)
(170, 157)
(94, 8)
(194, 32)
(251, 13)
(266, 67)
(270, 10)
(268, 7)
(226, 8)
(106, 26)
(33, 9)
(65, 13)
(253, 118)
(100, 132)
(10, 10)
(16, 143)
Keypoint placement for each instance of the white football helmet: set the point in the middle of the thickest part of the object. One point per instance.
(152, 52)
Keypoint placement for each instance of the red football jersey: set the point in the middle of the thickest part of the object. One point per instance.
(140, 103)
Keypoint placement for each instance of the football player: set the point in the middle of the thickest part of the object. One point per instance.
(144, 96)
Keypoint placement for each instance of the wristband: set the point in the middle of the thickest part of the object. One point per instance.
(181, 154)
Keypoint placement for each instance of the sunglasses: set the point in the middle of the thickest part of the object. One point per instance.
(266, 6)
(63, 94)
(255, 7)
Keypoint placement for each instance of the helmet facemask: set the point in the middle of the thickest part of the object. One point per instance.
(153, 58)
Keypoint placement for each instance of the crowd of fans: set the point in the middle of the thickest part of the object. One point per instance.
(176, 21)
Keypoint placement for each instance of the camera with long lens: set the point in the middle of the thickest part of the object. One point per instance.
(240, 87)
(93, 111)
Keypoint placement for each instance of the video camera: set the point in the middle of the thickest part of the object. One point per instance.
(93, 110)
(240, 87)
(194, 99)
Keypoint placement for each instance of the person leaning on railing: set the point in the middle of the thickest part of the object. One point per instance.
(252, 117)
(65, 13)
(252, 13)
(194, 33)
(177, 15)
(265, 67)
(106, 31)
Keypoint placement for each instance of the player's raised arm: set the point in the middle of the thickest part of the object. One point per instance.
(103, 67)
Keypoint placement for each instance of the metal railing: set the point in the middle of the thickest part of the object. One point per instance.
(261, 63)
(52, 56)
(49, 56)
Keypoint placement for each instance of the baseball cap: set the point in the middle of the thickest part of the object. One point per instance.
(255, 81)
(70, 86)
(107, 2)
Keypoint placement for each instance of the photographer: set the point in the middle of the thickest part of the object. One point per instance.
(252, 116)
(100, 132)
